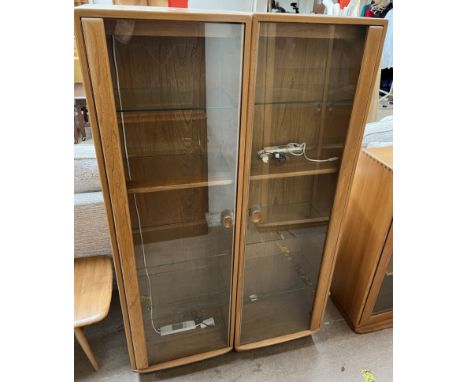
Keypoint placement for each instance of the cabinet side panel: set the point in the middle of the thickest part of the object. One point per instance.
(365, 228)
(105, 186)
(369, 67)
(96, 50)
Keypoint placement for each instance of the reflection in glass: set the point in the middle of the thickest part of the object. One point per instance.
(384, 300)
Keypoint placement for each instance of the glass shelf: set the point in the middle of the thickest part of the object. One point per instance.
(277, 315)
(142, 100)
(307, 102)
(292, 167)
(204, 283)
(173, 254)
(176, 108)
(289, 270)
(281, 216)
(199, 292)
(314, 233)
(192, 341)
(201, 306)
(177, 171)
(310, 237)
(249, 299)
(186, 265)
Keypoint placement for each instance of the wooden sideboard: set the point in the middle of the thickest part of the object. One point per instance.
(362, 287)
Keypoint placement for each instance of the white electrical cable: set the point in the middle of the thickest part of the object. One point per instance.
(146, 268)
(302, 147)
(134, 196)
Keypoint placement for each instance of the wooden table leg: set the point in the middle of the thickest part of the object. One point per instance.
(85, 346)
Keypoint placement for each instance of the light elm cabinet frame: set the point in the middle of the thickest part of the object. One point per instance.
(169, 148)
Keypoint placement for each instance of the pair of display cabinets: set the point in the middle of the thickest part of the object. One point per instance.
(220, 239)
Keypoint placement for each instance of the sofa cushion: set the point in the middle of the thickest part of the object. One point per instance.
(91, 229)
(86, 169)
(379, 134)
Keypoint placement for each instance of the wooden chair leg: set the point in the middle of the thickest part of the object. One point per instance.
(85, 346)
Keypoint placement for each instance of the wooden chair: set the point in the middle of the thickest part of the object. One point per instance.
(93, 291)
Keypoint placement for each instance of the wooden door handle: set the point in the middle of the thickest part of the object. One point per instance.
(255, 213)
(227, 218)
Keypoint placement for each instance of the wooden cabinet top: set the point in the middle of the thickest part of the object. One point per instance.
(383, 155)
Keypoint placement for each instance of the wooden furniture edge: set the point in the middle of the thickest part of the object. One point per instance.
(184, 360)
(96, 52)
(370, 154)
(159, 13)
(105, 187)
(383, 320)
(274, 340)
(108, 287)
(241, 177)
(250, 85)
(378, 322)
(380, 260)
(83, 341)
(370, 64)
(342, 311)
(317, 19)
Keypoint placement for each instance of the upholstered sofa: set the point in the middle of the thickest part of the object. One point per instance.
(91, 231)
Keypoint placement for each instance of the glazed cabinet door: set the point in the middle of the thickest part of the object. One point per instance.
(168, 99)
(306, 85)
(378, 309)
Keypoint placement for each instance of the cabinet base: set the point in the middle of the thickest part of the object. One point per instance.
(274, 341)
(378, 323)
(184, 360)
(374, 326)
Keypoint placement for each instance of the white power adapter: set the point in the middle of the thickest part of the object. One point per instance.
(177, 328)
(184, 326)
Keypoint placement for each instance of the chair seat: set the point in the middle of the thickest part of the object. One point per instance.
(93, 289)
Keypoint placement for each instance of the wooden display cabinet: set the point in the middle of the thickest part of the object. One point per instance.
(362, 287)
(180, 104)
(311, 83)
(168, 115)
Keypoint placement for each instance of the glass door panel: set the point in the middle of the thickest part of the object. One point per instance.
(177, 89)
(306, 77)
(384, 300)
